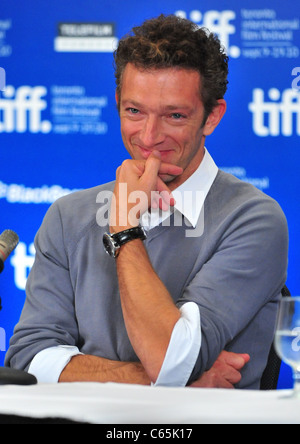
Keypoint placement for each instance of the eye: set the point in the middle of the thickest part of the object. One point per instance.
(132, 110)
(177, 116)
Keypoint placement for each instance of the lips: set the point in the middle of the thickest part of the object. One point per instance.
(146, 153)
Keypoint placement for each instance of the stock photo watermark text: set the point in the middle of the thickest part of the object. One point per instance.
(187, 202)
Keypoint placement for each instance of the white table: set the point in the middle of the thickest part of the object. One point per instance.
(132, 404)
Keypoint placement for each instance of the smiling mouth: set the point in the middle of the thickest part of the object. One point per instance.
(146, 153)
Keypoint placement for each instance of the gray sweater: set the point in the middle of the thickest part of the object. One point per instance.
(234, 272)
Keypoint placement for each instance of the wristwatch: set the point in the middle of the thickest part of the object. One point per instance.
(113, 242)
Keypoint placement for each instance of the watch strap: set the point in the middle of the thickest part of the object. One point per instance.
(125, 236)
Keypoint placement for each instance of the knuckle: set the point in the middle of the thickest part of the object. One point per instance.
(238, 378)
(126, 163)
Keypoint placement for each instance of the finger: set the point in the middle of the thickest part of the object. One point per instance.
(154, 201)
(151, 170)
(153, 166)
(170, 169)
(238, 361)
(226, 385)
(166, 168)
(165, 200)
(212, 379)
(161, 200)
(232, 376)
(227, 371)
(118, 172)
(165, 193)
(246, 357)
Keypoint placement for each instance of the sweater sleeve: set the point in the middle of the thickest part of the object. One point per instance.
(48, 317)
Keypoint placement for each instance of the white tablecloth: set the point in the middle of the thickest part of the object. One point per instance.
(132, 404)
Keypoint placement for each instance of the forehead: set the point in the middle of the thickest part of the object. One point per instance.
(163, 85)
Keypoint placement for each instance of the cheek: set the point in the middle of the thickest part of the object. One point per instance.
(126, 132)
(129, 129)
(190, 145)
(181, 137)
(186, 143)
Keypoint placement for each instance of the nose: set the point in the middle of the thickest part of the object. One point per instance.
(151, 133)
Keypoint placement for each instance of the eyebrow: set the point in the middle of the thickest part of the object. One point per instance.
(131, 102)
(167, 107)
(174, 107)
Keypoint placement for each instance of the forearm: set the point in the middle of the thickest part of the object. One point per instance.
(88, 368)
(149, 311)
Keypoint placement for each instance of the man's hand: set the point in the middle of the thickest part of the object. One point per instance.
(138, 186)
(225, 372)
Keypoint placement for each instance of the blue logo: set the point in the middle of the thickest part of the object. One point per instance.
(296, 81)
(2, 79)
(2, 340)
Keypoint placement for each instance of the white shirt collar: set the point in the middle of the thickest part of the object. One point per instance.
(190, 196)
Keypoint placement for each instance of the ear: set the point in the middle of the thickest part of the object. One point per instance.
(117, 98)
(215, 117)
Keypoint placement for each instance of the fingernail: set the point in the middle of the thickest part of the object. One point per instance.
(156, 153)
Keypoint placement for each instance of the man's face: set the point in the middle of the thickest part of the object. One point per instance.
(162, 110)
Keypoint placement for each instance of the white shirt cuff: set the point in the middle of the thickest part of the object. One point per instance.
(48, 364)
(183, 350)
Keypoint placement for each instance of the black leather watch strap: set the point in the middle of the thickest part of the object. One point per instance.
(128, 235)
(113, 242)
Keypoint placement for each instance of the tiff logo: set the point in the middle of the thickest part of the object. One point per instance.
(21, 110)
(22, 263)
(218, 22)
(2, 340)
(296, 81)
(278, 114)
(2, 79)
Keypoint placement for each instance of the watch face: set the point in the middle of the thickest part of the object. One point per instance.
(110, 245)
(113, 242)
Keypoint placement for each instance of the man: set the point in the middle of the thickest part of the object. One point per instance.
(198, 258)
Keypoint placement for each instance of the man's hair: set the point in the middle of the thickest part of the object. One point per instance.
(173, 42)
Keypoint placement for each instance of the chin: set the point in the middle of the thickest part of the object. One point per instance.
(166, 178)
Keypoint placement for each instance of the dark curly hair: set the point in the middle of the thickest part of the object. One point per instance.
(170, 41)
